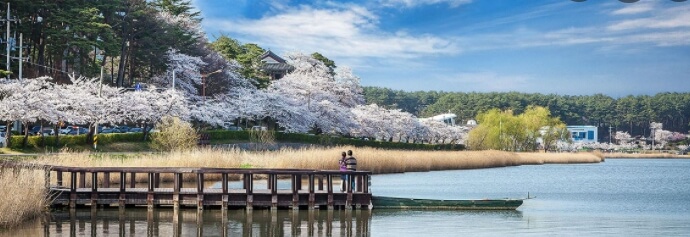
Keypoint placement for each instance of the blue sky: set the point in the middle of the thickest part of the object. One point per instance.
(545, 46)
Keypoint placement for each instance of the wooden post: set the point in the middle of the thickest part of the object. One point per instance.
(150, 194)
(59, 178)
(311, 192)
(73, 190)
(295, 191)
(157, 177)
(320, 182)
(224, 185)
(273, 180)
(46, 178)
(200, 191)
(94, 189)
(329, 187)
(248, 183)
(123, 183)
(177, 185)
(106, 179)
(82, 179)
(133, 180)
(348, 200)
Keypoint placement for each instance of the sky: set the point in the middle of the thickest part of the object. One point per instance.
(538, 46)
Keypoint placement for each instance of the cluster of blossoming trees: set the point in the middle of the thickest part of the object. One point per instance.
(625, 142)
(309, 98)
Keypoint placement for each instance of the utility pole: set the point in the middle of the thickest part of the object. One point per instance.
(21, 52)
(610, 134)
(7, 38)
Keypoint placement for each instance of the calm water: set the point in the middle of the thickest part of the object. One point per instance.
(615, 198)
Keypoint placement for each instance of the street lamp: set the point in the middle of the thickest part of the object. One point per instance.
(203, 82)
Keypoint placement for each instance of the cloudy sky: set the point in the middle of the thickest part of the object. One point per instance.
(545, 46)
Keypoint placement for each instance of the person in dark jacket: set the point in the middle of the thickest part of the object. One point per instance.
(351, 163)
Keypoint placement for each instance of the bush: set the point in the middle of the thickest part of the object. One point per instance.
(173, 134)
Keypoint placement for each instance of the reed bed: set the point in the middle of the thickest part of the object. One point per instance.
(23, 194)
(377, 161)
(538, 158)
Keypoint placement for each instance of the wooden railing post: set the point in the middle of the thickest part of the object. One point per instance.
(312, 198)
(133, 180)
(200, 191)
(329, 187)
(73, 190)
(106, 179)
(224, 186)
(273, 181)
(177, 185)
(296, 179)
(123, 183)
(150, 195)
(248, 183)
(94, 189)
(59, 178)
(82, 179)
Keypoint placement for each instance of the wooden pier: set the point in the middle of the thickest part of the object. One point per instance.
(124, 187)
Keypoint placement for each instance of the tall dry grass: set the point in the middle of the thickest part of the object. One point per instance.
(538, 158)
(377, 161)
(23, 195)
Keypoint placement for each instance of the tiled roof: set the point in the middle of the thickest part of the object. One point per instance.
(268, 53)
(281, 67)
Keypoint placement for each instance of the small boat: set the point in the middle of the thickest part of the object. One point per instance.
(379, 202)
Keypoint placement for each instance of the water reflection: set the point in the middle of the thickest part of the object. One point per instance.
(189, 222)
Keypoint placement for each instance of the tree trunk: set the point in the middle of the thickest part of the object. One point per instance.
(25, 141)
(121, 67)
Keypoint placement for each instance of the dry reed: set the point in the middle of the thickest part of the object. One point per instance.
(538, 158)
(377, 161)
(24, 195)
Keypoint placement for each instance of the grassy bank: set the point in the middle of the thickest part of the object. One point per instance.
(23, 195)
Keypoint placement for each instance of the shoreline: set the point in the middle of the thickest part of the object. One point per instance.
(644, 156)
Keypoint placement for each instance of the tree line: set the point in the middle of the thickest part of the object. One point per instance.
(632, 114)
(127, 38)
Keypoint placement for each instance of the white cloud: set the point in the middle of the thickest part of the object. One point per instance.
(414, 3)
(661, 19)
(351, 32)
(639, 7)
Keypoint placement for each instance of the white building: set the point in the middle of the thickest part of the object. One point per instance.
(448, 118)
(583, 133)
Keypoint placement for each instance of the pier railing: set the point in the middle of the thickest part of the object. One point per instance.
(123, 187)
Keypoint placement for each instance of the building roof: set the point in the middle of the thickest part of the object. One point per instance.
(274, 63)
(273, 67)
(270, 54)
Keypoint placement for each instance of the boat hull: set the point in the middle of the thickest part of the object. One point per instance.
(379, 202)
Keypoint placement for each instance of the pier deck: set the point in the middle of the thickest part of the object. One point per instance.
(255, 188)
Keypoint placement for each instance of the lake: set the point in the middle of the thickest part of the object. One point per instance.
(620, 197)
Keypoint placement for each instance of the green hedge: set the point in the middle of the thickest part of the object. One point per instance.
(36, 141)
(70, 140)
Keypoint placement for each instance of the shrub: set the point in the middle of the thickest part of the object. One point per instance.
(173, 134)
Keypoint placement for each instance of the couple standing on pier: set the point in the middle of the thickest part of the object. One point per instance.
(347, 163)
